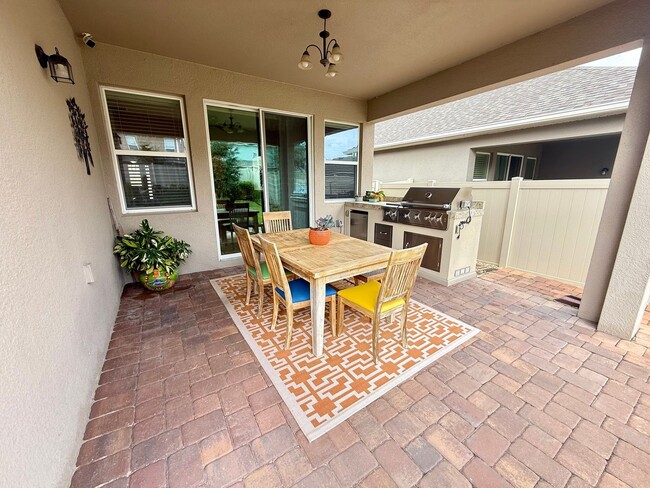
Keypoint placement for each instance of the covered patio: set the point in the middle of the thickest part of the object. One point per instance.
(539, 398)
(195, 117)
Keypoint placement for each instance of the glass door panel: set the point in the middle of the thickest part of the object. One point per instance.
(287, 168)
(237, 170)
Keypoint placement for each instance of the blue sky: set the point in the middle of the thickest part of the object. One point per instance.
(628, 58)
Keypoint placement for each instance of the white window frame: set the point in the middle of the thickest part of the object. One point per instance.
(487, 170)
(356, 163)
(131, 152)
(207, 102)
(528, 158)
(521, 168)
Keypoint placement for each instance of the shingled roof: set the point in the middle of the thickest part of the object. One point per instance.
(576, 89)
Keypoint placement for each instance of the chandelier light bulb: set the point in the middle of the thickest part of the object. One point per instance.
(336, 56)
(305, 61)
(331, 71)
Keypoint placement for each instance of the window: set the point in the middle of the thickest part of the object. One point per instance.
(508, 166)
(149, 145)
(529, 172)
(341, 160)
(481, 166)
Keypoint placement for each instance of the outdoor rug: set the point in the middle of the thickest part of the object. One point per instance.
(322, 392)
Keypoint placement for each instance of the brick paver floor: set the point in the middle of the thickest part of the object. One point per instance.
(539, 398)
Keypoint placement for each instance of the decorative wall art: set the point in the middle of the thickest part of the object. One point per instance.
(80, 132)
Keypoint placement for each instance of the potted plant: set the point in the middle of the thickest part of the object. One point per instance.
(151, 256)
(321, 234)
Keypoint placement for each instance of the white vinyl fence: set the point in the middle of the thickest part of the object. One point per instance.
(546, 227)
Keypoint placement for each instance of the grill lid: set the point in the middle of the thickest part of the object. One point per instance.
(430, 196)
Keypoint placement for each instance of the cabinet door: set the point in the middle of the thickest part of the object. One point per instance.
(433, 254)
(384, 235)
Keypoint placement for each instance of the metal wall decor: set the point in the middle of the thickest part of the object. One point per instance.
(80, 132)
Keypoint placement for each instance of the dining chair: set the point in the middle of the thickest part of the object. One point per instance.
(277, 221)
(293, 294)
(257, 273)
(239, 215)
(380, 300)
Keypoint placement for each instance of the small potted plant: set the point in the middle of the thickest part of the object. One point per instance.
(321, 234)
(151, 256)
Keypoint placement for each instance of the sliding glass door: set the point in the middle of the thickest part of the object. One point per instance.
(260, 162)
(286, 155)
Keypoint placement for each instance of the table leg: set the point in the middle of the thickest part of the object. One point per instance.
(317, 315)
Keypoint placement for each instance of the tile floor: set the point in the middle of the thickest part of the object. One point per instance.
(538, 399)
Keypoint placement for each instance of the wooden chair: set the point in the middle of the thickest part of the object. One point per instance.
(256, 273)
(370, 276)
(293, 294)
(379, 300)
(277, 221)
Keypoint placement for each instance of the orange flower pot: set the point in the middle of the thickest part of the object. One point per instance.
(319, 237)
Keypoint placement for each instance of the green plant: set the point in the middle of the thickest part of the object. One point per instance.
(246, 189)
(225, 170)
(324, 223)
(146, 249)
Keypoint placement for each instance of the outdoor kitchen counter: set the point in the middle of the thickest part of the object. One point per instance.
(364, 205)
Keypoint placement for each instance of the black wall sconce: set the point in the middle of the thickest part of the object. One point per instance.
(60, 68)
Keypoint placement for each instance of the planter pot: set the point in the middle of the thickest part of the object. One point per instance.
(159, 280)
(319, 237)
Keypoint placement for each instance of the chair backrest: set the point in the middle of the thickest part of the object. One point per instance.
(239, 214)
(277, 221)
(400, 275)
(248, 253)
(276, 270)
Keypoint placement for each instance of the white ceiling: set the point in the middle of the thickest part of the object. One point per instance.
(386, 43)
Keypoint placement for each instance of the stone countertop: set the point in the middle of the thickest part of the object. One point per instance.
(365, 205)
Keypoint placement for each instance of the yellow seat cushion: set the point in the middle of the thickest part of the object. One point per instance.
(365, 296)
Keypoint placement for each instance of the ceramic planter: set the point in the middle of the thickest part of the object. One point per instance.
(319, 237)
(158, 280)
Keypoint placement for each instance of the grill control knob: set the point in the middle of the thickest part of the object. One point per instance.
(416, 216)
(407, 214)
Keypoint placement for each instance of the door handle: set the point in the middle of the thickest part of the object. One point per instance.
(407, 245)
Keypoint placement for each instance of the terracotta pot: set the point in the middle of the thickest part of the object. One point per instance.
(319, 237)
(159, 280)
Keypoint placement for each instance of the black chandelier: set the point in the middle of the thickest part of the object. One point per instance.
(328, 58)
(231, 127)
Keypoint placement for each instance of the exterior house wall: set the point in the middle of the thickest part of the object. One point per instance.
(453, 160)
(581, 158)
(118, 67)
(54, 327)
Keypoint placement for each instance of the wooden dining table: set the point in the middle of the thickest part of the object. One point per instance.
(342, 257)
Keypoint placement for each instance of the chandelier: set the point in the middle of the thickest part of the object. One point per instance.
(328, 58)
(231, 127)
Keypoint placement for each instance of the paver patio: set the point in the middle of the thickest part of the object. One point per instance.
(539, 398)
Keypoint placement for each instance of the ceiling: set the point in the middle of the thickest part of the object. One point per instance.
(386, 43)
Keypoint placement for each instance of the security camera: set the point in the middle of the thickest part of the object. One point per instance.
(88, 40)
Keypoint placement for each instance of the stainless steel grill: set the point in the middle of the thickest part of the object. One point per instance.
(426, 206)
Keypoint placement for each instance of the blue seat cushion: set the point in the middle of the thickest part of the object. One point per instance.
(300, 290)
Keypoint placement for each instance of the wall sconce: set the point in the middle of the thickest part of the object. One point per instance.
(60, 68)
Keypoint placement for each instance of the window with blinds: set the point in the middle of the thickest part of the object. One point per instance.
(149, 142)
(481, 166)
(341, 160)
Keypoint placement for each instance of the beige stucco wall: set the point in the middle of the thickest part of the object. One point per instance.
(114, 66)
(454, 161)
(54, 328)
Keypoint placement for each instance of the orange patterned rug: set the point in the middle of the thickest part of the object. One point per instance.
(322, 392)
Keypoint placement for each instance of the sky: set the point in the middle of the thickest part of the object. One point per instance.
(629, 58)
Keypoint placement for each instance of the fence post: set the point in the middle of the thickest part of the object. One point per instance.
(509, 226)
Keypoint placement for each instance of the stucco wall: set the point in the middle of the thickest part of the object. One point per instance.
(114, 66)
(454, 161)
(54, 328)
